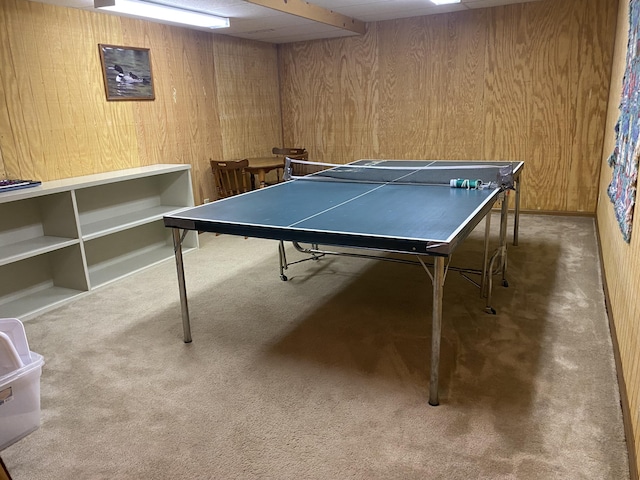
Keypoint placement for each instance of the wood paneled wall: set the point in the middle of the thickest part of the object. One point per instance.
(621, 260)
(526, 82)
(215, 96)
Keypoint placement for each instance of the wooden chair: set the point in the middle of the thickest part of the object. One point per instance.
(230, 177)
(297, 153)
(294, 153)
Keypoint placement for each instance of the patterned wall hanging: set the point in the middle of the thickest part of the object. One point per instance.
(624, 159)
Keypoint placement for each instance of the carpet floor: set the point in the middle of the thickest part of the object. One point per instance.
(326, 376)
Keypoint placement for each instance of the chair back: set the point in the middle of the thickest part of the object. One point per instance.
(296, 153)
(229, 176)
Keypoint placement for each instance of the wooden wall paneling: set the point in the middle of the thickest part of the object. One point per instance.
(550, 36)
(293, 114)
(213, 147)
(302, 80)
(410, 104)
(3, 171)
(121, 149)
(178, 126)
(508, 93)
(325, 106)
(358, 78)
(113, 145)
(156, 121)
(182, 98)
(594, 24)
(391, 81)
(633, 360)
(55, 118)
(8, 147)
(81, 53)
(22, 109)
(182, 95)
(435, 108)
(463, 85)
(164, 117)
(44, 45)
(508, 77)
(508, 80)
(203, 127)
(193, 94)
(71, 130)
(6, 140)
(633, 383)
(248, 97)
(621, 261)
(207, 130)
(315, 94)
(542, 182)
(295, 79)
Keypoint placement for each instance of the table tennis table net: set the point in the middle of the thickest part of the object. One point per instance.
(465, 175)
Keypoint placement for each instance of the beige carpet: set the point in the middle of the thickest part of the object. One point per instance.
(326, 376)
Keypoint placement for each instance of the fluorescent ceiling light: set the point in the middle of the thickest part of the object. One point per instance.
(156, 11)
(445, 2)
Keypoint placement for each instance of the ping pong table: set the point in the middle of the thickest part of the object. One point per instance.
(401, 211)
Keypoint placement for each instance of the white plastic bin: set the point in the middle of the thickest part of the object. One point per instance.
(20, 401)
(20, 371)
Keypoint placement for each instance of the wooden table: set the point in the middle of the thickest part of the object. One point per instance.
(261, 166)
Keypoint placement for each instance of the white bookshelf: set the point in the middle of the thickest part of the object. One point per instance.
(67, 237)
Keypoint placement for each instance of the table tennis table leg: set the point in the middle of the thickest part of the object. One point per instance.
(500, 254)
(177, 249)
(282, 256)
(485, 258)
(436, 328)
(516, 217)
(504, 219)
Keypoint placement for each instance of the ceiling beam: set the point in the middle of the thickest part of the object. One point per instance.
(307, 10)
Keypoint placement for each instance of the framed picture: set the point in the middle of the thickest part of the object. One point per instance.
(127, 72)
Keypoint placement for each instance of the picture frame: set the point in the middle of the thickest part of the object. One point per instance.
(126, 72)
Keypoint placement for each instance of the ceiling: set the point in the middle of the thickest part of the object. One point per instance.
(257, 22)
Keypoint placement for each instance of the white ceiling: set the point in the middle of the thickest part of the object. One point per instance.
(261, 23)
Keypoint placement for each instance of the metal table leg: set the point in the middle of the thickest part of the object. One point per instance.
(504, 219)
(516, 217)
(282, 255)
(177, 248)
(436, 328)
(485, 258)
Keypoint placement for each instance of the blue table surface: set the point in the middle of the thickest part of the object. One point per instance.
(431, 213)
(434, 213)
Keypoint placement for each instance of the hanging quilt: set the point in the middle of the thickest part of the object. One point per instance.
(624, 159)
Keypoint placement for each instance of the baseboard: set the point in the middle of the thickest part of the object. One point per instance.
(557, 213)
(622, 386)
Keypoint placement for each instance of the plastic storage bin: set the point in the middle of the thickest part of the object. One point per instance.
(20, 371)
(20, 401)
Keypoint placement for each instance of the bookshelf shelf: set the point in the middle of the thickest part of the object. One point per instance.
(67, 237)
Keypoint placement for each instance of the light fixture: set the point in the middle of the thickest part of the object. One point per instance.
(445, 2)
(155, 11)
